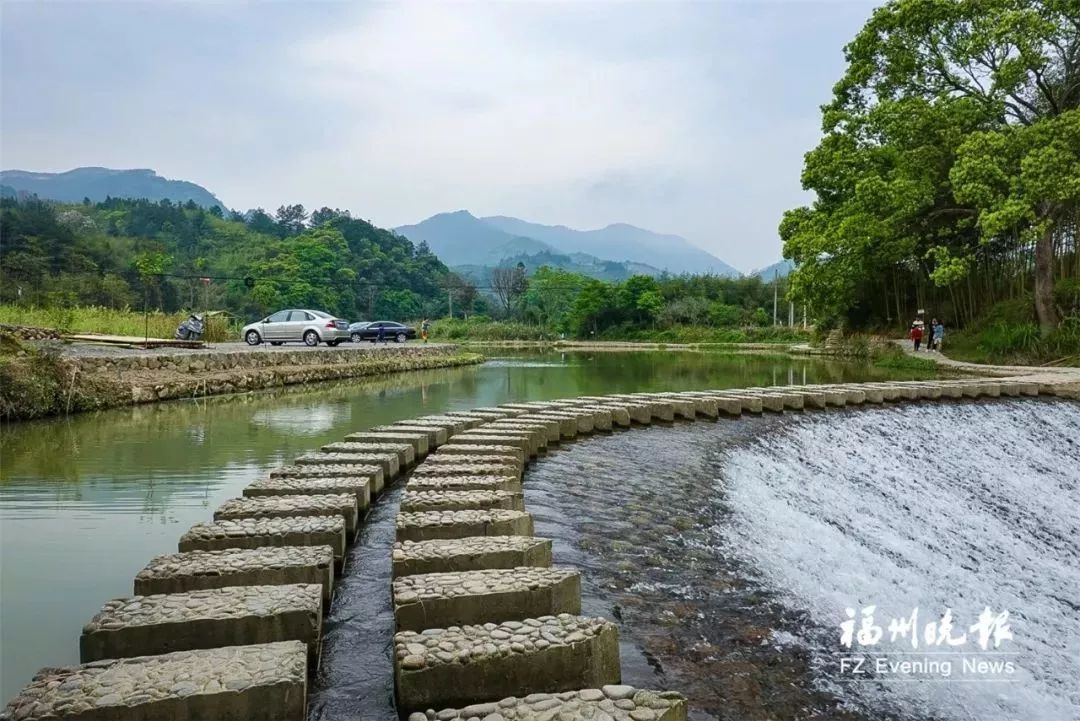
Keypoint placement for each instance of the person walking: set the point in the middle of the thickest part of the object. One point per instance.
(424, 328)
(916, 334)
(939, 334)
(380, 334)
(931, 338)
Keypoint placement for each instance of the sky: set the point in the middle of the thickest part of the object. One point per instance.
(688, 118)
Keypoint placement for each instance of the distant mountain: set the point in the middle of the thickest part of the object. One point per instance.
(623, 242)
(779, 269)
(99, 183)
(460, 238)
(609, 270)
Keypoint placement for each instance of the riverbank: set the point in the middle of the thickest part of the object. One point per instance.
(43, 379)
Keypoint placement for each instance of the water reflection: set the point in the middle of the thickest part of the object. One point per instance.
(85, 501)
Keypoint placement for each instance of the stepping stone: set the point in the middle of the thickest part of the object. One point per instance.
(487, 450)
(683, 407)
(360, 488)
(417, 500)
(429, 525)
(583, 422)
(338, 504)
(658, 409)
(405, 452)
(610, 703)
(464, 483)
(470, 554)
(435, 435)
(194, 570)
(750, 403)
(466, 664)
(702, 405)
(491, 414)
(265, 682)
(603, 416)
(724, 406)
(372, 473)
(210, 618)
(528, 441)
(568, 423)
(778, 400)
(640, 413)
(549, 427)
(467, 466)
(388, 462)
(453, 424)
(441, 600)
(260, 532)
(869, 393)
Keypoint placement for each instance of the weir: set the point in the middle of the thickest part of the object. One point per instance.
(487, 625)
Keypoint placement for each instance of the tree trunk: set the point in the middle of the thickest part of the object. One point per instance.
(1044, 281)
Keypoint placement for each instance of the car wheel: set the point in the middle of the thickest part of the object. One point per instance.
(252, 337)
(311, 339)
(401, 338)
(356, 338)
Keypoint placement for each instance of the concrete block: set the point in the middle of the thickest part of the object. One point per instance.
(436, 434)
(475, 553)
(388, 462)
(415, 501)
(483, 436)
(473, 663)
(265, 682)
(441, 600)
(405, 452)
(549, 427)
(467, 466)
(464, 483)
(429, 525)
(337, 504)
(194, 570)
(372, 473)
(487, 450)
(420, 439)
(260, 532)
(209, 618)
(610, 703)
(360, 488)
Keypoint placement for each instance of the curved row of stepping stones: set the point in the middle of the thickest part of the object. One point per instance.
(229, 627)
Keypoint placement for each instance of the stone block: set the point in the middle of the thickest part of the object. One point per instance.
(549, 427)
(209, 618)
(338, 504)
(405, 452)
(486, 450)
(610, 703)
(429, 525)
(568, 424)
(474, 663)
(484, 436)
(388, 462)
(467, 466)
(415, 500)
(464, 483)
(420, 439)
(454, 424)
(749, 402)
(259, 532)
(265, 682)
(436, 434)
(194, 570)
(474, 553)
(372, 473)
(360, 488)
(441, 600)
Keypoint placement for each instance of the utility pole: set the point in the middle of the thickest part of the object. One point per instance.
(450, 301)
(791, 314)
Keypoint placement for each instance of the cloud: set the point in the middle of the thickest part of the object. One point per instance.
(681, 117)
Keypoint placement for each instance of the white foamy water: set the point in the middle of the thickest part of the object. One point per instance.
(932, 506)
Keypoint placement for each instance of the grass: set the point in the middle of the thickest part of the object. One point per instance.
(485, 329)
(112, 321)
(35, 382)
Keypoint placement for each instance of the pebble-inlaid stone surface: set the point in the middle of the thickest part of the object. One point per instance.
(387, 461)
(609, 703)
(464, 483)
(430, 525)
(259, 532)
(373, 473)
(265, 682)
(441, 600)
(528, 441)
(182, 572)
(579, 422)
(342, 504)
(421, 440)
(358, 487)
(436, 433)
(484, 450)
(550, 427)
(474, 553)
(452, 423)
(434, 461)
(421, 500)
(405, 452)
(209, 618)
(464, 664)
(511, 470)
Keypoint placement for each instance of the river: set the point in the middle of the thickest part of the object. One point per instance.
(86, 501)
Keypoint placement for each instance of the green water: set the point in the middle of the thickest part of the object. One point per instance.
(86, 501)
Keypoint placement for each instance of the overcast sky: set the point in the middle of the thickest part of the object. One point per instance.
(689, 118)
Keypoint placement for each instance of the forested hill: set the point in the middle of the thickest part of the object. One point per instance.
(100, 253)
(97, 184)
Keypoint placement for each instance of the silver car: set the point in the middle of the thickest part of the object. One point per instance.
(295, 325)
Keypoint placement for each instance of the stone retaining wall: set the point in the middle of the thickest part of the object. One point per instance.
(482, 614)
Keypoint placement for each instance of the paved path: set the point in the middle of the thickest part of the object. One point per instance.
(986, 369)
(88, 350)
